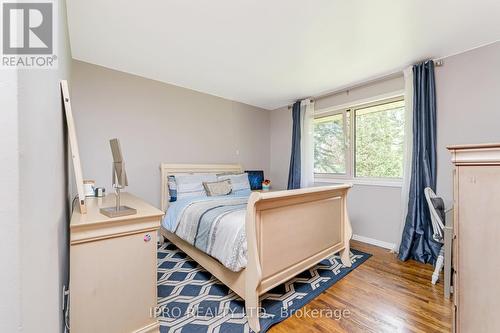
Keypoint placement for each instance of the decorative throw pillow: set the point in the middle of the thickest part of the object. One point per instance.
(222, 187)
(239, 182)
(191, 185)
(172, 188)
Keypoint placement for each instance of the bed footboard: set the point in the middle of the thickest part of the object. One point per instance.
(289, 232)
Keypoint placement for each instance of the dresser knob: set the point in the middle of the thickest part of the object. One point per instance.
(147, 237)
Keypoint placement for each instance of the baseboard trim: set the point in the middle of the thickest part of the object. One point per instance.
(376, 242)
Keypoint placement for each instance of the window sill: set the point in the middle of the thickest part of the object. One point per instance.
(358, 181)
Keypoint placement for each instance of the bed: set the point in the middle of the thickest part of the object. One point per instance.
(286, 233)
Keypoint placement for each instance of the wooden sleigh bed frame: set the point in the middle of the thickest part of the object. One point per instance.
(287, 232)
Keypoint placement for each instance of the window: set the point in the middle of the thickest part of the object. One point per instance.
(363, 142)
(329, 144)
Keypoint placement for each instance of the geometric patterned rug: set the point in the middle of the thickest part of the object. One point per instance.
(192, 300)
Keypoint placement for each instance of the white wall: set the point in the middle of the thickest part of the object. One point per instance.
(468, 111)
(468, 106)
(281, 146)
(43, 201)
(156, 123)
(10, 314)
(374, 210)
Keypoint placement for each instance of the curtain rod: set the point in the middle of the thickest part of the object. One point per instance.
(437, 63)
(310, 100)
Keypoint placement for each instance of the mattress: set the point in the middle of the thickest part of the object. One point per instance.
(214, 225)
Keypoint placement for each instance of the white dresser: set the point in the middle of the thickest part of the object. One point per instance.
(113, 268)
(476, 245)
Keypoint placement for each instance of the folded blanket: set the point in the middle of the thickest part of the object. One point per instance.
(215, 225)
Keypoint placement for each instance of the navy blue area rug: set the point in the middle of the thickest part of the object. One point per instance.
(191, 300)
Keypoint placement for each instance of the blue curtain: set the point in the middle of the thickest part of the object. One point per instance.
(417, 242)
(295, 170)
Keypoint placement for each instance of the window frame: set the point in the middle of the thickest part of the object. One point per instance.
(349, 117)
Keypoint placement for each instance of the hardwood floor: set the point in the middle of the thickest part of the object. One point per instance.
(382, 295)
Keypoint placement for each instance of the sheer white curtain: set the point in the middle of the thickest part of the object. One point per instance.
(408, 150)
(307, 143)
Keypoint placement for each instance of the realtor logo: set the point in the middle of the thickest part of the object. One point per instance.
(28, 34)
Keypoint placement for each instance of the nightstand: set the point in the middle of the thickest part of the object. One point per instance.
(113, 268)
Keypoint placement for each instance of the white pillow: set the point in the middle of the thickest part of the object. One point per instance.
(191, 185)
(239, 182)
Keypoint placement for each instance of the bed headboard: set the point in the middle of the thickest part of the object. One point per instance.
(170, 169)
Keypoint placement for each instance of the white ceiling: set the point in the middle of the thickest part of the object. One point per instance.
(269, 53)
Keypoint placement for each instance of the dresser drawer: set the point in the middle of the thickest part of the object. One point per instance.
(476, 210)
(113, 284)
(478, 237)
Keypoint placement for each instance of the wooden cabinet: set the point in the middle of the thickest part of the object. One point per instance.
(113, 268)
(477, 237)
